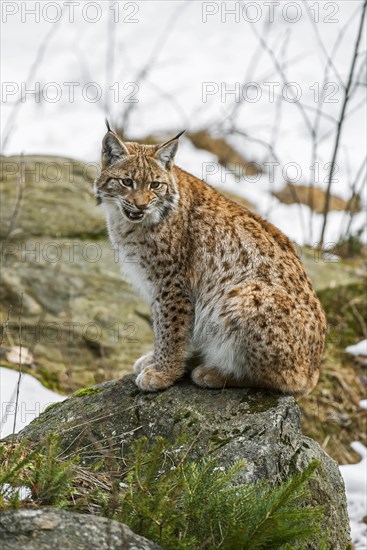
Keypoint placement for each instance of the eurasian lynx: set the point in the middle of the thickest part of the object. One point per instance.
(222, 282)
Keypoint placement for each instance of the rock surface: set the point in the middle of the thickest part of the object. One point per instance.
(49, 529)
(261, 428)
(80, 319)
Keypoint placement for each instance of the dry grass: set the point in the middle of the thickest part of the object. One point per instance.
(331, 414)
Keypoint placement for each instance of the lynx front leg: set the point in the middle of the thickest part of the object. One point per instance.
(172, 316)
(144, 361)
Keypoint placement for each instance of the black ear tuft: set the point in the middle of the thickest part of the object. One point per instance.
(108, 125)
(113, 149)
(180, 134)
(165, 153)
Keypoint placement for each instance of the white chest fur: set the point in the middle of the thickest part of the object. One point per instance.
(127, 253)
(136, 275)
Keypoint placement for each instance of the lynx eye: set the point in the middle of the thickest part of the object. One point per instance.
(126, 182)
(156, 185)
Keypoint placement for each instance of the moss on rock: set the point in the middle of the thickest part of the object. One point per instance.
(86, 391)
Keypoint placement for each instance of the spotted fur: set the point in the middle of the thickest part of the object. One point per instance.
(223, 283)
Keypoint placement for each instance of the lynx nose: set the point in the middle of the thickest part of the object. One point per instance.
(141, 205)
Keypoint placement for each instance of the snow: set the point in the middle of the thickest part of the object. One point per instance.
(355, 479)
(359, 349)
(355, 475)
(7, 491)
(196, 65)
(33, 399)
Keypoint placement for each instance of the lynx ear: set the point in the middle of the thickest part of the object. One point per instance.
(112, 148)
(165, 153)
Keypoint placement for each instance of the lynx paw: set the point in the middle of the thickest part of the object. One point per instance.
(150, 379)
(143, 362)
(208, 377)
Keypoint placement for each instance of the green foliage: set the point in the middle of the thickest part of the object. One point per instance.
(40, 472)
(350, 245)
(49, 379)
(168, 498)
(50, 479)
(346, 313)
(186, 505)
(11, 470)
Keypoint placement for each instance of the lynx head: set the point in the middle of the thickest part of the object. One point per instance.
(137, 181)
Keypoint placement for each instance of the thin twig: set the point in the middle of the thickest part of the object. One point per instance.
(155, 52)
(18, 198)
(341, 122)
(110, 56)
(280, 70)
(358, 316)
(31, 74)
(319, 114)
(19, 364)
(356, 191)
(271, 150)
(321, 43)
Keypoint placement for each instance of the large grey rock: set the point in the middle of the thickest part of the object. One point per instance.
(54, 197)
(80, 319)
(49, 529)
(234, 424)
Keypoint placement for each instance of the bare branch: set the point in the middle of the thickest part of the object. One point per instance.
(338, 40)
(272, 152)
(355, 192)
(18, 198)
(19, 363)
(158, 47)
(283, 76)
(31, 74)
(341, 121)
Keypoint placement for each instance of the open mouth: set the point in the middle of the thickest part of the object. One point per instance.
(134, 216)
